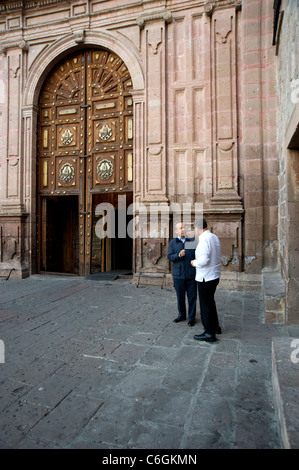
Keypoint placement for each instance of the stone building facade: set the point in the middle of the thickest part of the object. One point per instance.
(286, 39)
(171, 105)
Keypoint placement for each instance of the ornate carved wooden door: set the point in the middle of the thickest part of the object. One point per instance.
(85, 147)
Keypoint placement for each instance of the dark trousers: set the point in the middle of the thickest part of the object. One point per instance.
(208, 310)
(183, 286)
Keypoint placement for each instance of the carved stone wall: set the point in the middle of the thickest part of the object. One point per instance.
(203, 130)
(288, 137)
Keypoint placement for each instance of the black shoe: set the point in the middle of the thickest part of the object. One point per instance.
(191, 323)
(205, 337)
(218, 330)
(177, 320)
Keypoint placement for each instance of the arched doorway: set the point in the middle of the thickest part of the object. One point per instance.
(85, 158)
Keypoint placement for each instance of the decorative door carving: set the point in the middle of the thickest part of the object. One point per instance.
(85, 137)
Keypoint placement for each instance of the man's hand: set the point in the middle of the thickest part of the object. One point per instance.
(182, 253)
(192, 262)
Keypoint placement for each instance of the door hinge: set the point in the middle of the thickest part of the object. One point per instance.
(85, 213)
(85, 105)
(85, 156)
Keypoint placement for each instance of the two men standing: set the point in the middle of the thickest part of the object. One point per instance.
(206, 258)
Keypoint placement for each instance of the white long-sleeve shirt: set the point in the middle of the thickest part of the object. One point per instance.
(208, 257)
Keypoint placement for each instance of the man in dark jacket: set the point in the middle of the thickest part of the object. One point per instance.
(181, 251)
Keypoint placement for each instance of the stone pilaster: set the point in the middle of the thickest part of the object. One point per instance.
(154, 43)
(13, 214)
(224, 103)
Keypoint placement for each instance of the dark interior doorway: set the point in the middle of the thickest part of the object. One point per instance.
(114, 252)
(60, 235)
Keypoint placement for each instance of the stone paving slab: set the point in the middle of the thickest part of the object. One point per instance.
(100, 364)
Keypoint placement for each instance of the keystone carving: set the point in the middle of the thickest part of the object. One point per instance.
(79, 36)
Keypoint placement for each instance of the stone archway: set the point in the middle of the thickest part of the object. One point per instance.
(43, 63)
(62, 47)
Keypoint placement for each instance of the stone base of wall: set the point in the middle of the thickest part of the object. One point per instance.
(13, 246)
(228, 281)
(240, 281)
(18, 272)
(273, 287)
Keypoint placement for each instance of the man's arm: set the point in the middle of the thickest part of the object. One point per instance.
(173, 254)
(203, 254)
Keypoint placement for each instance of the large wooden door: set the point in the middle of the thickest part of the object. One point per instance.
(85, 147)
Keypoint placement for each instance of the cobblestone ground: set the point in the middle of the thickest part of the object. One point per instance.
(100, 364)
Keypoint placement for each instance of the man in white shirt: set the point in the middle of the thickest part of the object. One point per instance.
(208, 270)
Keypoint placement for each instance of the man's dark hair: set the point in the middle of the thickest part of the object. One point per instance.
(201, 223)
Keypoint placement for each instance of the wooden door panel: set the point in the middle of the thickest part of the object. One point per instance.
(105, 170)
(128, 165)
(110, 105)
(62, 129)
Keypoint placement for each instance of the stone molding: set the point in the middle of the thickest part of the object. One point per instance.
(21, 44)
(28, 5)
(158, 15)
(212, 5)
